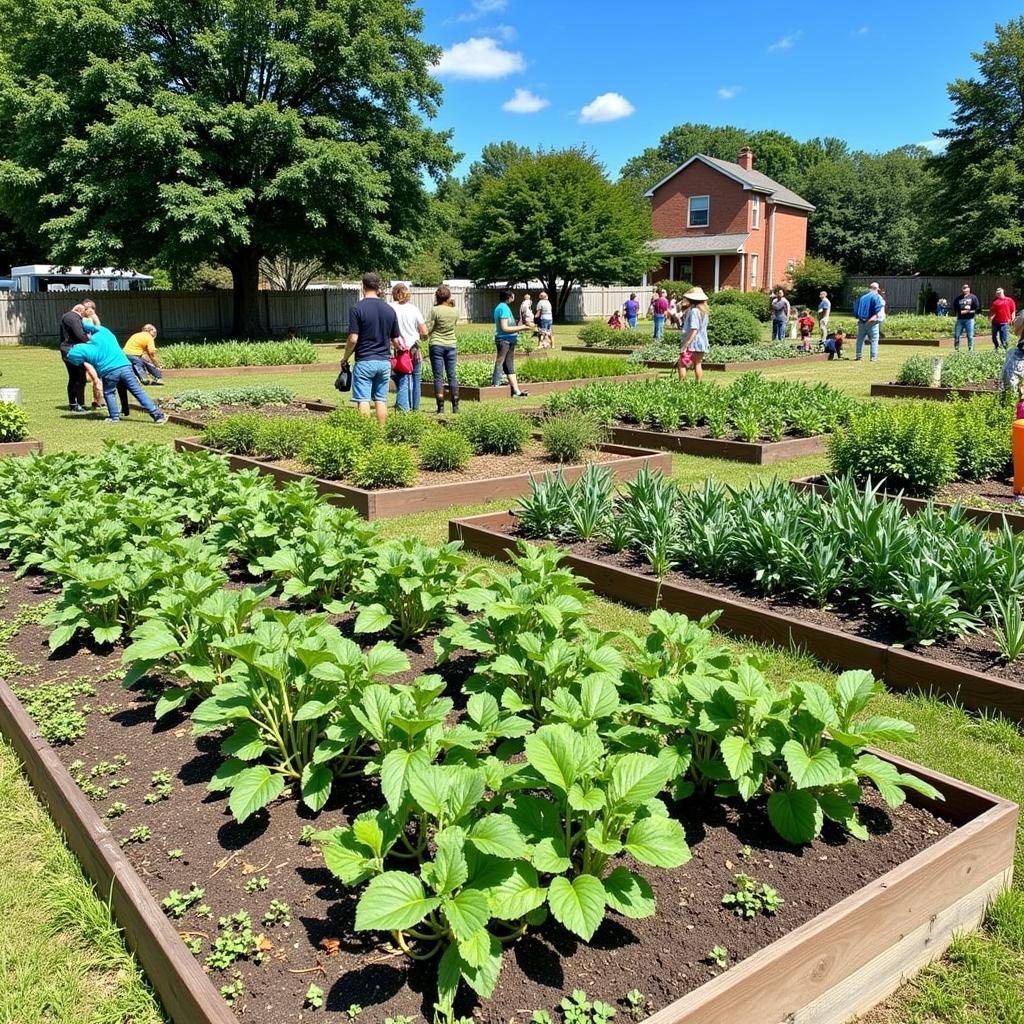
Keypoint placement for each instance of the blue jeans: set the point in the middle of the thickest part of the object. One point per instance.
(442, 361)
(371, 379)
(125, 376)
(869, 331)
(1000, 335)
(659, 326)
(505, 361)
(632, 322)
(942, 312)
(144, 366)
(778, 330)
(407, 386)
(963, 326)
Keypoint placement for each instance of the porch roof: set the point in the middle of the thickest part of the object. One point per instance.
(690, 245)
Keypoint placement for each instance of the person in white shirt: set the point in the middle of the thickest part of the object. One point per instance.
(526, 310)
(824, 311)
(545, 320)
(412, 327)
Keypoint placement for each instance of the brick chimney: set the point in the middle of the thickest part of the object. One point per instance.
(746, 158)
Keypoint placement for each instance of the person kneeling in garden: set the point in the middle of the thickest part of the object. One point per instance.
(104, 353)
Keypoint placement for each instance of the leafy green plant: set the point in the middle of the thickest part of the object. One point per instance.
(719, 956)
(331, 451)
(258, 883)
(236, 941)
(13, 423)
(578, 1009)
(116, 809)
(730, 324)
(139, 834)
(750, 898)
(492, 431)
(1008, 627)
(177, 904)
(445, 451)
(233, 991)
(384, 465)
(239, 394)
(314, 998)
(184, 355)
(402, 429)
(278, 913)
(571, 439)
(53, 706)
(637, 1003)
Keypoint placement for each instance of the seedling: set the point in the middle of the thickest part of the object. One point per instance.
(279, 913)
(116, 809)
(175, 854)
(752, 898)
(577, 1009)
(233, 992)
(636, 1001)
(257, 884)
(108, 709)
(160, 783)
(177, 904)
(541, 1017)
(193, 943)
(314, 997)
(139, 834)
(236, 941)
(746, 853)
(353, 1011)
(306, 838)
(719, 956)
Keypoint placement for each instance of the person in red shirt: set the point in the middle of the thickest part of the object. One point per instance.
(1001, 314)
(806, 325)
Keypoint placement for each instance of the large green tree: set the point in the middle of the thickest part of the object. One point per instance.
(227, 131)
(975, 220)
(554, 216)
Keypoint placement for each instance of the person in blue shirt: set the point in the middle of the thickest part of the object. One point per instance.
(114, 369)
(867, 309)
(505, 331)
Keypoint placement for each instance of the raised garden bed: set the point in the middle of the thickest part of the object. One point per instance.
(598, 350)
(620, 578)
(934, 394)
(20, 447)
(763, 364)
(999, 492)
(923, 342)
(468, 393)
(244, 371)
(198, 418)
(696, 442)
(624, 462)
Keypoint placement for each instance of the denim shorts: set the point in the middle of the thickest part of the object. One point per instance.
(371, 379)
(544, 323)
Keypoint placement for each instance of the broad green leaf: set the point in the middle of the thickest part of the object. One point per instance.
(428, 786)
(106, 634)
(498, 835)
(346, 859)
(172, 699)
(393, 900)
(819, 704)
(482, 708)
(449, 974)
(795, 815)
(883, 729)
(549, 856)
(481, 963)
(660, 842)
(636, 778)
(598, 697)
(556, 752)
(855, 690)
(373, 618)
(810, 770)
(629, 894)
(316, 785)
(599, 841)
(385, 659)
(465, 791)
(591, 800)
(393, 774)
(449, 870)
(254, 788)
(225, 775)
(506, 665)
(312, 709)
(244, 742)
(467, 913)
(738, 754)
(577, 905)
(517, 894)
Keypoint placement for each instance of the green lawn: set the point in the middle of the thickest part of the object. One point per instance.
(60, 958)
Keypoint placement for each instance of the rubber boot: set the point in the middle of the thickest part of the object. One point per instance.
(440, 405)
(455, 405)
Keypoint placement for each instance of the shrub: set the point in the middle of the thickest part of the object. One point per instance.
(917, 371)
(732, 325)
(249, 394)
(597, 334)
(365, 427)
(479, 342)
(13, 422)
(235, 434)
(283, 437)
(329, 453)
(753, 302)
(405, 428)
(237, 353)
(383, 465)
(444, 451)
(478, 374)
(493, 431)
(984, 437)
(569, 438)
(675, 289)
(813, 274)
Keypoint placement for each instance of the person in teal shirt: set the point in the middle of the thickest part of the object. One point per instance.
(104, 353)
(505, 331)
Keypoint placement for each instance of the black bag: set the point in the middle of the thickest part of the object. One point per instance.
(344, 379)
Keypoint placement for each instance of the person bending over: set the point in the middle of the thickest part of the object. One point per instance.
(140, 349)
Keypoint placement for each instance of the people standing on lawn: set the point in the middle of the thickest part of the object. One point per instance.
(140, 349)
(506, 332)
(372, 336)
(659, 307)
(966, 307)
(70, 332)
(545, 321)
(780, 315)
(408, 364)
(441, 345)
(1001, 313)
(866, 310)
(631, 309)
(942, 307)
(694, 333)
(824, 312)
(526, 316)
(104, 353)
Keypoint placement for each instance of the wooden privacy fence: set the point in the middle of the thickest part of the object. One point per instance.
(32, 318)
(901, 293)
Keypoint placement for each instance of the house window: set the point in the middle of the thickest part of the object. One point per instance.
(681, 268)
(753, 270)
(755, 213)
(699, 209)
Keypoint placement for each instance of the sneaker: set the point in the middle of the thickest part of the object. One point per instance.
(79, 409)
(162, 420)
(155, 384)
(110, 419)
(520, 394)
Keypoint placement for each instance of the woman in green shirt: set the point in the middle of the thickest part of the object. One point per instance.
(441, 323)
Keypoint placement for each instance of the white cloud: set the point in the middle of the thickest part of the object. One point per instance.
(609, 106)
(525, 102)
(481, 8)
(727, 92)
(479, 58)
(507, 32)
(933, 145)
(862, 31)
(786, 42)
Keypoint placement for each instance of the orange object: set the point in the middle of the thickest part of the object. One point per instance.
(1018, 456)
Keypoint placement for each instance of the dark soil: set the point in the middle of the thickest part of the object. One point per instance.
(212, 412)
(664, 957)
(729, 435)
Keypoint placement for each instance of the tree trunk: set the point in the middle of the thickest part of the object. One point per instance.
(245, 280)
(561, 297)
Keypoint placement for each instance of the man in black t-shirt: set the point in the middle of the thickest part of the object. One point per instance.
(372, 334)
(70, 332)
(966, 306)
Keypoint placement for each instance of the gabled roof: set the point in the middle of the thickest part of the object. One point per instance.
(753, 181)
(710, 244)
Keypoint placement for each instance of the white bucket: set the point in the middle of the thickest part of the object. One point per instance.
(10, 395)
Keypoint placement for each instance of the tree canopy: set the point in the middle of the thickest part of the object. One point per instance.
(228, 132)
(555, 217)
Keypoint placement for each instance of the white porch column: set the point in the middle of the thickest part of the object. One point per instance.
(718, 268)
(743, 271)
(671, 268)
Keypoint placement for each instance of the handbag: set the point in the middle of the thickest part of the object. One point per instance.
(685, 359)
(343, 382)
(402, 363)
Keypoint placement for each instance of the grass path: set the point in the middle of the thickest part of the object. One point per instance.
(61, 958)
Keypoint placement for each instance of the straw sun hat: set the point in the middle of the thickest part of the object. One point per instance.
(696, 295)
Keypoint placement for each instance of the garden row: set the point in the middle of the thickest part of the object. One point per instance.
(496, 785)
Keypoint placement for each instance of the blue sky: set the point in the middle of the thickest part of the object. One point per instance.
(616, 75)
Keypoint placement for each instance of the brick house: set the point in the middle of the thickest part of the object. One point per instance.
(724, 225)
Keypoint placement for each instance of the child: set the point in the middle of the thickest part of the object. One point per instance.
(615, 321)
(806, 325)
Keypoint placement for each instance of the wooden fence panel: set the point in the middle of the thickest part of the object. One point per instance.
(901, 292)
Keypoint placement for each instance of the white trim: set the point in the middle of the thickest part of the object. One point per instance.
(754, 270)
(771, 247)
(755, 212)
(672, 267)
(743, 271)
(689, 212)
(718, 270)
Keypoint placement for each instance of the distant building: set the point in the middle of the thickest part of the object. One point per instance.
(45, 277)
(720, 224)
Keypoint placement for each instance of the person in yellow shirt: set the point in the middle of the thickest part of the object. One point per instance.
(140, 349)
